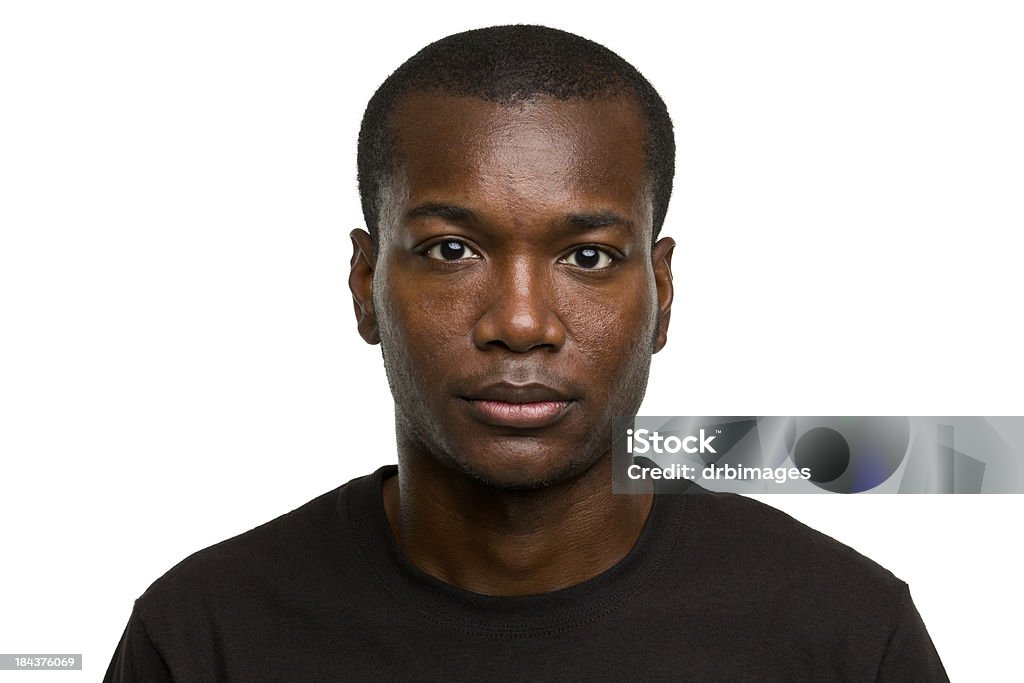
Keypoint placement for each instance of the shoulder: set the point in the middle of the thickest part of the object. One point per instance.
(287, 578)
(798, 599)
(761, 551)
(746, 525)
(253, 563)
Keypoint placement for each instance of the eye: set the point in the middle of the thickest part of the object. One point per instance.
(590, 258)
(450, 250)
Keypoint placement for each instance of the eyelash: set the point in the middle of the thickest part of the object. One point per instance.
(449, 240)
(611, 257)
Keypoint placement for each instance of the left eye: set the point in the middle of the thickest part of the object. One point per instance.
(590, 258)
(450, 250)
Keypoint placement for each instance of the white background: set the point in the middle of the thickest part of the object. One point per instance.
(178, 357)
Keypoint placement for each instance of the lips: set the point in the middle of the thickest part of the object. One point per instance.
(521, 406)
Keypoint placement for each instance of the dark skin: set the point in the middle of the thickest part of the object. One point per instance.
(518, 299)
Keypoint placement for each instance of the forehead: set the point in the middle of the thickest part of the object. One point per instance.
(542, 156)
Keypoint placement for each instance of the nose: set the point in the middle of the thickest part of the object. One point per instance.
(518, 315)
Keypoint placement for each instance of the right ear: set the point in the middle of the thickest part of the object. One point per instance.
(360, 281)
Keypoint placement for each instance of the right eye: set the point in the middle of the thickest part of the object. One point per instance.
(450, 250)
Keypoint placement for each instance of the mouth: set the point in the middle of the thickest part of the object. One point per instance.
(523, 406)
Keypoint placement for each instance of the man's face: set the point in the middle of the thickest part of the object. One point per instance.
(515, 291)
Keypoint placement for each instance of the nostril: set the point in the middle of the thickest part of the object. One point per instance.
(520, 330)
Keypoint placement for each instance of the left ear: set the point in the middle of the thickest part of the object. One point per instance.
(661, 259)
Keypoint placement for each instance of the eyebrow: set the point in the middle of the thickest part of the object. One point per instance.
(437, 210)
(601, 219)
(579, 221)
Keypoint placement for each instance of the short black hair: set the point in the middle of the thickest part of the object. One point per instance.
(507, 64)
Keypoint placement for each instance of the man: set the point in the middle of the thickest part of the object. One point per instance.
(514, 181)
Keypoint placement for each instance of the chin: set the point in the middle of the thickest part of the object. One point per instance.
(523, 472)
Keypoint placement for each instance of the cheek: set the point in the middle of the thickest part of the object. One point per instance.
(613, 336)
(424, 329)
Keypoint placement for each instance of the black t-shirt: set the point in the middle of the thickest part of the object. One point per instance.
(717, 588)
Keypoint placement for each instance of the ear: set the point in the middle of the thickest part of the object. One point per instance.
(360, 281)
(661, 259)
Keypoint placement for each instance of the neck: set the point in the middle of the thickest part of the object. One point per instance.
(500, 542)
